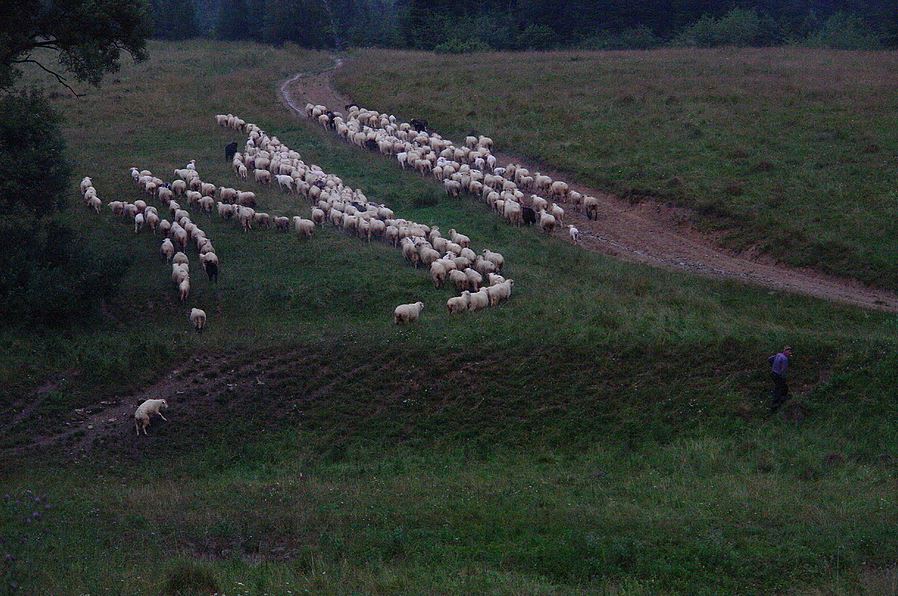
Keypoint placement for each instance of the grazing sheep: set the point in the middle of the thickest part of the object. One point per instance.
(557, 212)
(479, 300)
(262, 219)
(167, 250)
(474, 278)
(282, 223)
(94, 203)
(453, 187)
(246, 198)
(495, 258)
(184, 289)
(303, 227)
(458, 304)
(459, 280)
(227, 195)
(147, 409)
(407, 313)
(284, 182)
(152, 220)
(262, 176)
(574, 233)
(138, 222)
(318, 216)
(500, 292)
(180, 259)
(591, 206)
(179, 187)
(459, 239)
(179, 273)
(546, 222)
(438, 273)
(198, 319)
(117, 207)
(209, 261)
(495, 278)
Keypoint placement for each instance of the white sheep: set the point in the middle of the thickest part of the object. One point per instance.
(184, 289)
(262, 176)
(574, 234)
(147, 409)
(500, 292)
(407, 313)
(303, 227)
(198, 319)
(167, 250)
(458, 304)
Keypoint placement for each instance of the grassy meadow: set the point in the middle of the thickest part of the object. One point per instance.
(790, 152)
(604, 430)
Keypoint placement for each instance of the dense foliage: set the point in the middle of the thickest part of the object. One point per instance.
(466, 25)
(48, 273)
(87, 37)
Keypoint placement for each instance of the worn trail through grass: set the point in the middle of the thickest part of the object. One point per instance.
(645, 232)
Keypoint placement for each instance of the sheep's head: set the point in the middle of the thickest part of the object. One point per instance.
(164, 404)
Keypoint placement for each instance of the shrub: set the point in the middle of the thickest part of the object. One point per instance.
(638, 38)
(739, 27)
(457, 46)
(844, 31)
(537, 37)
(47, 272)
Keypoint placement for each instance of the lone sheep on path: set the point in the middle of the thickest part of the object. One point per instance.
(147, 409)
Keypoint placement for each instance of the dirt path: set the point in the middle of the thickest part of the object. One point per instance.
(646, 232)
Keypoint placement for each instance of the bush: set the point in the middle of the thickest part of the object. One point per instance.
(457, 46)
(844, 31)
(739, 27)
(537, 37)
(48, 274)
(638, 38)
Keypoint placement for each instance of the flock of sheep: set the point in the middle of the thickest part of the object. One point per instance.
(476, 277)
(178, 232)
(512, 191)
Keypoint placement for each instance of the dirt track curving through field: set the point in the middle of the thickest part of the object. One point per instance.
(645, 232)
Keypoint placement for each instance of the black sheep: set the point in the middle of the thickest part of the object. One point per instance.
(230, 150)
(529, 216)
(419, 124)
(212, 271)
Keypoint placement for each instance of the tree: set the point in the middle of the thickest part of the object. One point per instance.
(48, 272)
(173, 19)
(86, 36)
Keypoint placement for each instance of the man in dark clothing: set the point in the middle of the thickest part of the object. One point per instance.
(779, 364)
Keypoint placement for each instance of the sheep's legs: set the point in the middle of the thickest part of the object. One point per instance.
(163, 417)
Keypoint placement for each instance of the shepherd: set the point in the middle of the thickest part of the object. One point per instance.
(779, 364)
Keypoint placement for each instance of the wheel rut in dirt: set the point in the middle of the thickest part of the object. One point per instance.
(645, 232)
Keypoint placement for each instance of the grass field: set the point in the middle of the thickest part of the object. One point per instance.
(790, 151)
(606, 429)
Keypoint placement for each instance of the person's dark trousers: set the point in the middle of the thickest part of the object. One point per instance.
(780, 391)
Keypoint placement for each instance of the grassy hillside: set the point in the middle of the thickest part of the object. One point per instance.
(791, 151)
(605, 429)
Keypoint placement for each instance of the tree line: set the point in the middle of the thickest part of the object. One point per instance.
(469, 25)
